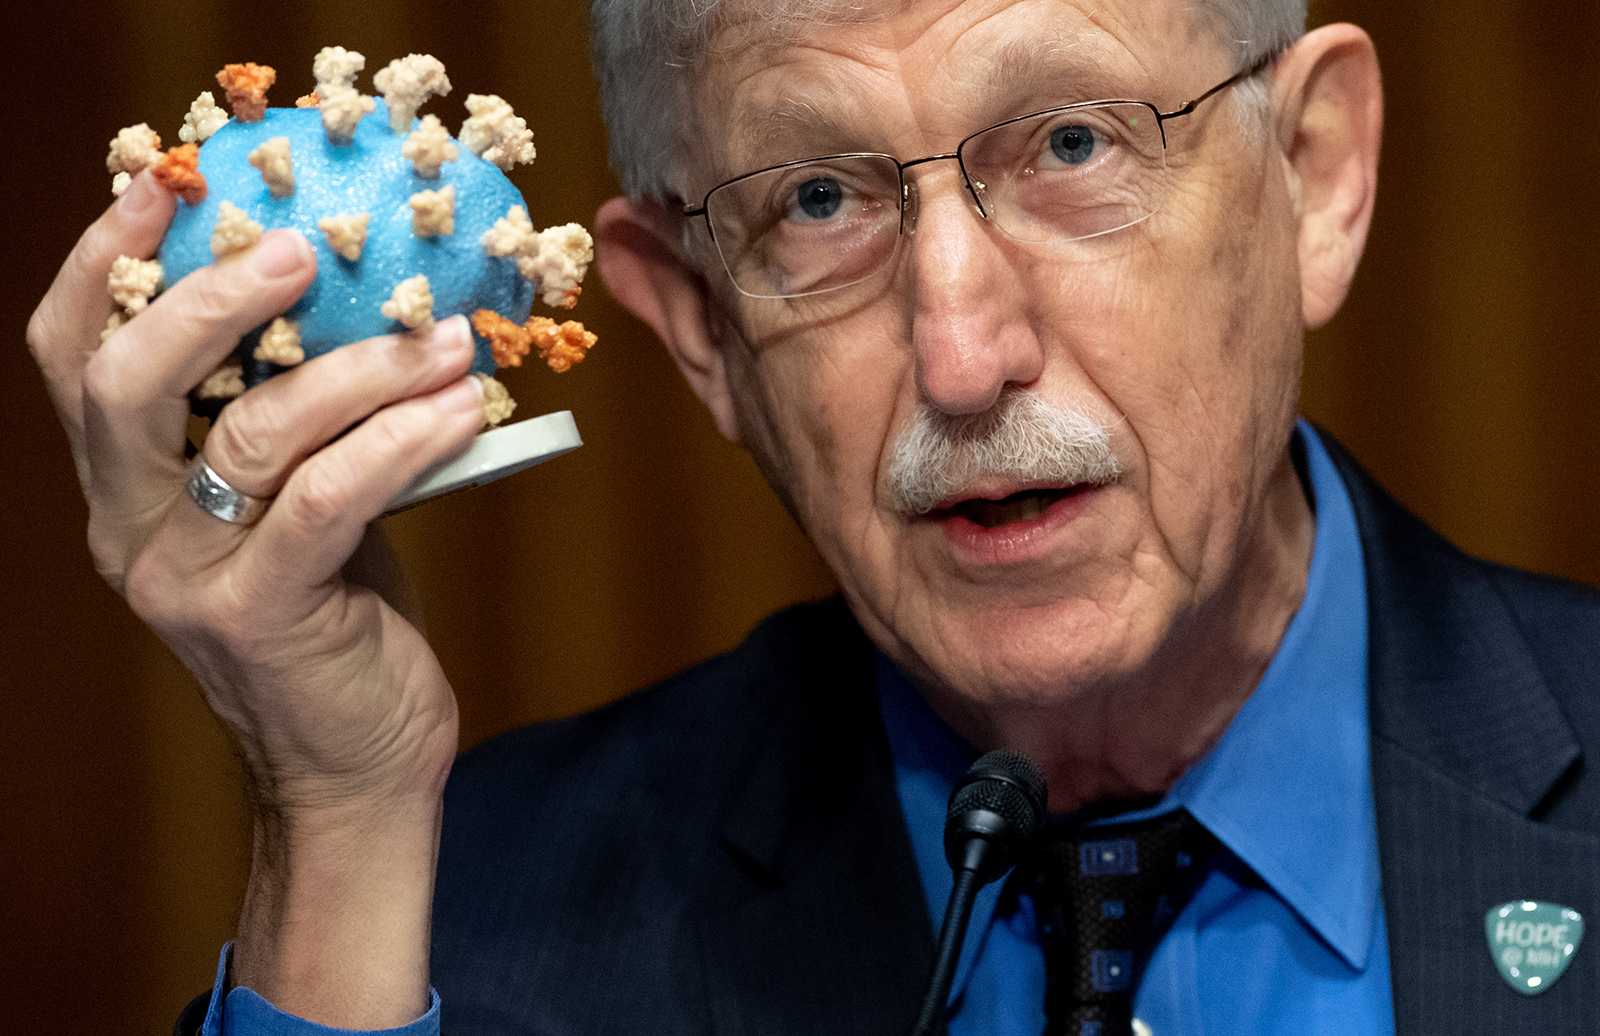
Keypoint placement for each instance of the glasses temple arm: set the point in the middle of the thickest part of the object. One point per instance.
(1238, 77)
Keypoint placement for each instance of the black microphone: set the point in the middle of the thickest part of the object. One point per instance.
(994, 813)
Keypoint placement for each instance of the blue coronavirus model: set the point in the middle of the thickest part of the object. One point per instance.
(409, 223)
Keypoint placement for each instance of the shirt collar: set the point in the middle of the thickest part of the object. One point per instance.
(1288, 788)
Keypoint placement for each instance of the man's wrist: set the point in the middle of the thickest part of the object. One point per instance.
(243, 1012)
(337, 915)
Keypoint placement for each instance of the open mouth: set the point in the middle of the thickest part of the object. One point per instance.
(1025, 506)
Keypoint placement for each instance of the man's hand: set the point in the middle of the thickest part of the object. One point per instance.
(343, 719)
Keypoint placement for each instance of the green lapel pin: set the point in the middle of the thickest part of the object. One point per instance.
(1532, 943)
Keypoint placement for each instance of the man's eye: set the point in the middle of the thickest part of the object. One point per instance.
(819, 197)
(1073, 144)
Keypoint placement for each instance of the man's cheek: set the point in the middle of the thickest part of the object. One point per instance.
(853, 392)
(802, 413)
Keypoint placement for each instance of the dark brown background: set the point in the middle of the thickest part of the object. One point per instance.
(1463, 371)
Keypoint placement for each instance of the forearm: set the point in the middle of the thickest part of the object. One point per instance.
(337, 915)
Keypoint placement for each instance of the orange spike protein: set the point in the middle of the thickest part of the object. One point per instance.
(508, 340)
(179, 172)
(560, 345)
(247, 88)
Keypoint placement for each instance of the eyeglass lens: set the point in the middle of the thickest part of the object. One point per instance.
(808, 228)
(1063, 175)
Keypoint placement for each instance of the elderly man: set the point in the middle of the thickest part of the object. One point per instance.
(1006, 297)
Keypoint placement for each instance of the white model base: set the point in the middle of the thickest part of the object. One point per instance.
(495, 454)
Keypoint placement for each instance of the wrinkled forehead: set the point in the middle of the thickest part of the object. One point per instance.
(922, 75)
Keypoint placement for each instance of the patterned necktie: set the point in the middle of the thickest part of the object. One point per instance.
(1104, 896)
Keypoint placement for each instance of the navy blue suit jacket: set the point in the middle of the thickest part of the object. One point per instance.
(724, 853)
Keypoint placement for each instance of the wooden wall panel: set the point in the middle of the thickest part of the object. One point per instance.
(1464, 368)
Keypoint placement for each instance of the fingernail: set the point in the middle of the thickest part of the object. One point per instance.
(139, 196)
(449, 333)
(280, 253)
(464, 396)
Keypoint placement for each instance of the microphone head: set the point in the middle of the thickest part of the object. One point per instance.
(994, 813)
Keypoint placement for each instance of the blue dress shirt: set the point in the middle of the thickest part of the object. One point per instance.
(244, 1012)
(1286, 932)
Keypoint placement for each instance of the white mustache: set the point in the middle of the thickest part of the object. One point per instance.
(1020, 438)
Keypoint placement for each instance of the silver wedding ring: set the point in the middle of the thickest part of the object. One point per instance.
(212, 494)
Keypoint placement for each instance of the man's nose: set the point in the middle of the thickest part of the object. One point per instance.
(969, 329)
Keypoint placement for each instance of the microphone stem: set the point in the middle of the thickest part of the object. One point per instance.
(951, 935)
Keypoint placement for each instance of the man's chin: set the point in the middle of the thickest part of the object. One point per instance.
(1040, 656)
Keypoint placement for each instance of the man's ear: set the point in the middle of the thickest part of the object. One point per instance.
(638, 250)
(1329, 99)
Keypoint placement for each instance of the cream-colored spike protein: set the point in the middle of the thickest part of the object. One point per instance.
(343, 108)
(133, 282)
(277, 166)
(226, 382)
(205, 118)
(407, 83)
(429, 147)
(557, 261)
(335, 66)
(234, 231)
(133, 148)
(511, 235)
(347, 235)
(433, 213)
(280, 344)
(411, 304)
(495, 133)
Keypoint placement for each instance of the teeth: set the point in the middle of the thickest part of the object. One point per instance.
(1021, 508)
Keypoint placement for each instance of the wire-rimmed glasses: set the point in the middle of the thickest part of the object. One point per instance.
(1063, 174)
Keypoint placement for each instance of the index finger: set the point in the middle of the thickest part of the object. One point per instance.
(65, 328)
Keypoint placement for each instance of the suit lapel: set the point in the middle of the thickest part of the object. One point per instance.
(832, 937)
(1468, 741)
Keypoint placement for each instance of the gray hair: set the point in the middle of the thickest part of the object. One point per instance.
(1021, 438)
(647, 51)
